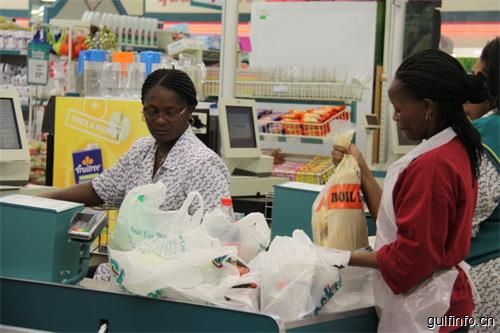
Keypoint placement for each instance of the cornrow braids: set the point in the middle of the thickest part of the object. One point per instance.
(438, 76)
(490, 57)
(171, 79)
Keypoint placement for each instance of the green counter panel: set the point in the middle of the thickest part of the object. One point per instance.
(35, 245)
(61, 308)
(292, 209)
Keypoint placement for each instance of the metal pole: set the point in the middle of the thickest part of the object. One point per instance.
(393, 56)
(229, 41)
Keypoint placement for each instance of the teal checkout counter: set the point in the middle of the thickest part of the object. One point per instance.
(38, 260)
(292, 209)
(56, 307)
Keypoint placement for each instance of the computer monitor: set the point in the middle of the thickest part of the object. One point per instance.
(238, 129)
(14, 150)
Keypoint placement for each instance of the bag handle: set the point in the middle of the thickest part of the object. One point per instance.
(197, 216)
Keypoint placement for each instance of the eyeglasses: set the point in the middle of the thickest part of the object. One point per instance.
(168, 115)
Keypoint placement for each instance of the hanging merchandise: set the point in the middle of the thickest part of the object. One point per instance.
(91, 65)
(13, 36)
(196, 69)
(38, 63)
(150, 58)
(101, 38)
(116, 76)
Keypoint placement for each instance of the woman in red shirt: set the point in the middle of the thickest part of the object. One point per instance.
(424, 213)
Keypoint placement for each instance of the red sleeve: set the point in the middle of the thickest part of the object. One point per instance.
(420, 248)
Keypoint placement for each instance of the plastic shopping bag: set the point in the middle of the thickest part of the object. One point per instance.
(168, 254)
(356, 291)
(250, 235)
(297, 277)
(338, 219)
(141, 222)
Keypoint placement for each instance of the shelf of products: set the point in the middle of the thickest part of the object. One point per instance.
(305, 91)
(38, 153)
(315, 171)
(305, 126)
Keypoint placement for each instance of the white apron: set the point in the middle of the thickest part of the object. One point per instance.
(409, 312)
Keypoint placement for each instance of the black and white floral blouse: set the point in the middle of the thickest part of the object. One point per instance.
(189, 166)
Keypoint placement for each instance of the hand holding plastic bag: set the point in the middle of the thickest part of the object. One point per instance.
(297, 277)
(338, 219)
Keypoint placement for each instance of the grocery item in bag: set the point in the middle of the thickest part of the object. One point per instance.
(338, 220)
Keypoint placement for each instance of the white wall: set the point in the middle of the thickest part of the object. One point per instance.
(133, 7)
(318, 34)
(469, 5)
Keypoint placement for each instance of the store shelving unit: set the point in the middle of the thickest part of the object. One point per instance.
(16, 57)
(14, 52)
(299, 91)
(321, 132)
(311, 141)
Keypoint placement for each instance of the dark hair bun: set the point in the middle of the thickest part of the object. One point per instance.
(475, 89)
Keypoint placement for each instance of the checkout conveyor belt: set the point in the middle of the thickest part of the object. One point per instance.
(56, 307)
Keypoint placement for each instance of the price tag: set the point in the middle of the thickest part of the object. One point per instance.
(38, 63)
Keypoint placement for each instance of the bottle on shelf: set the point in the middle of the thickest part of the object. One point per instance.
(227, 208)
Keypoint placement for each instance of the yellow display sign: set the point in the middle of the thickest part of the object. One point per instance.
(90, 124)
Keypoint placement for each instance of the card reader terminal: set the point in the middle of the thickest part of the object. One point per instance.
(87, 224)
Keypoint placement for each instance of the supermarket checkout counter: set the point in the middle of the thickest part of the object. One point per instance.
(41, 285)
(56, 307)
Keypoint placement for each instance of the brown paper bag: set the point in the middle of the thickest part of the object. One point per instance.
(338, 219)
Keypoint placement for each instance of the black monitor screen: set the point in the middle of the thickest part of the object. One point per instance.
(9, 131)
(241, 127)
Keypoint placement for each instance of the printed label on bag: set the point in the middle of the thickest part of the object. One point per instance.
(344, 196)
(117, 271)
(328, 292)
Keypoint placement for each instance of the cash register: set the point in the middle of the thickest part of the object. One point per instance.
(45, 239)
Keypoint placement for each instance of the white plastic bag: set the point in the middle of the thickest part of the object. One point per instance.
(297, 277)
(338, 219)
(250, 235)
(356, 291)
(168, 254)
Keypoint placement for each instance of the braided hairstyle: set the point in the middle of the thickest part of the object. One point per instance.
(436, 75)
(171, 79)
(490, 58)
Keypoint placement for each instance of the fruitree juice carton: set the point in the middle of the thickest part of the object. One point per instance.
(87, 164)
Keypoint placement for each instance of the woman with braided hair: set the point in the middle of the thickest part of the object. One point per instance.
(424, 213)
(485, 247)
(172, 154)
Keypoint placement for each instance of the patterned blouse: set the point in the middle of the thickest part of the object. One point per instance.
(488, 193)
(189, 166)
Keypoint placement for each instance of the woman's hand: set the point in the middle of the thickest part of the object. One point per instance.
(369, 186)
(338, 153)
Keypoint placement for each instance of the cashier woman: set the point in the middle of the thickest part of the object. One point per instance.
(424, 214)
(172, 154)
